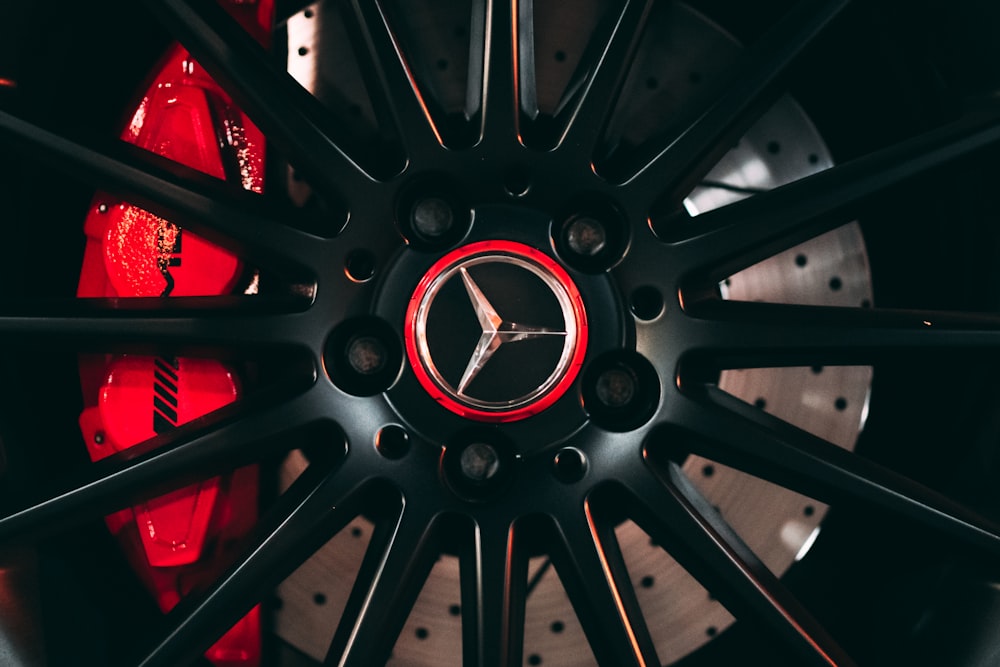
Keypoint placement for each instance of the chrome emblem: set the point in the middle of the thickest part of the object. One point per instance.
(519, 282)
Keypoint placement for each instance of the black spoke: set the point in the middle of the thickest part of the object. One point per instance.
(494, 69)
(674, 514)
(743, 334)
(303, 518)
(389, 77)
(593, 573)
(749, 92)
(731, 238)
(152, 325)
(399, 559)
(291, 118)
(600, 93)
(494, 571)
(236, 435)
(720, 427)
(221, 212)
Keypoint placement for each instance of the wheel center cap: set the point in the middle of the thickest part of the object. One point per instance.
(496, 331)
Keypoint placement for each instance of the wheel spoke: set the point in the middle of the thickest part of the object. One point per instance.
(592, 570)
(494, 573)
(152, 325)
(720, 427)
(677, 517)
(311, 511)
(731, 238)
(494, 68)
(223, 213)
(400, 556)
(749, 93)
(291, 118)
(607, 74)
(236, 435)
(743, 334)
(389, 77)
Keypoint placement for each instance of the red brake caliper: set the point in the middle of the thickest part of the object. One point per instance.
(180, 541)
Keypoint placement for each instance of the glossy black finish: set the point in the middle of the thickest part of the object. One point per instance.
(627, 466)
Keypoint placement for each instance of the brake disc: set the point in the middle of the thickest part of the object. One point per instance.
(685, 51)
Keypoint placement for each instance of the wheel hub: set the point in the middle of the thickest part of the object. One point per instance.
(496, 331)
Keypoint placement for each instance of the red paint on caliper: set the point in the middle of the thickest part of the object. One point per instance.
(180, 541)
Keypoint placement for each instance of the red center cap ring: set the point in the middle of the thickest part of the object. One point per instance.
(531, 324)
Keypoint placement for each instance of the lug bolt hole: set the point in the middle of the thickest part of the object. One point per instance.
(569, 465)
(360, 266)
(516, 182)
(392, 442)
(646, 303)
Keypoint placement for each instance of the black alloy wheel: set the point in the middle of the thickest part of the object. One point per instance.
(568, 398)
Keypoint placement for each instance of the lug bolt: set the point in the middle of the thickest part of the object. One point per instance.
(479, 462)
(586, 237)
(432, 217)
(616, 387)
(366, 355)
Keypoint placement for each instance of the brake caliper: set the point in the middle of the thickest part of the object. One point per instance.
(182, 540)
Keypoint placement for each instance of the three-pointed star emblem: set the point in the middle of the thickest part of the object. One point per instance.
(495, 332)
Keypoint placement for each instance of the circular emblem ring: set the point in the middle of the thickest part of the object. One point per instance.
(504, 285)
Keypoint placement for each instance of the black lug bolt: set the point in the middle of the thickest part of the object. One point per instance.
(366, 354)
(616, 387)
(586, 236)
(432, 217)
(479, 462)
(621, 390)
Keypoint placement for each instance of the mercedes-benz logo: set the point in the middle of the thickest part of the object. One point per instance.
(496, 331)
